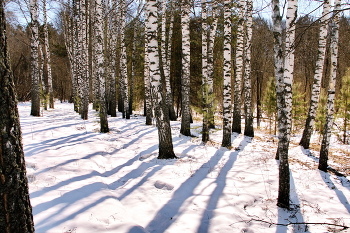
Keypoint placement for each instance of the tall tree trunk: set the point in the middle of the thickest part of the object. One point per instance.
(147, 85)
(123, 66)
(185, 80)
(166, 57)
(316, 87)
(236, 121)
(100, 72)
(248, 116)
(34, 45)
(48, 58)
(327, 132)
(210, 63)
(227, 105)
(166, 150)
(15, 209)
(205, 87)
(283, 143)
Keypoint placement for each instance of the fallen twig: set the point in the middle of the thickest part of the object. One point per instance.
(300, 223)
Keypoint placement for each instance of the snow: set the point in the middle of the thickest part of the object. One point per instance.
(81, 180)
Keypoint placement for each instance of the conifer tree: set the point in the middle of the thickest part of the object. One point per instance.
(343, 105)
(269, 103)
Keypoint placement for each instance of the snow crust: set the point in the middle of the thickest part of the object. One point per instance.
(84, 181)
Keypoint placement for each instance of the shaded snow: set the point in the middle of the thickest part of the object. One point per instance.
(84, 181)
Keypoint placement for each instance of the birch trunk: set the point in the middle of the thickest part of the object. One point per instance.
(210, 64)
(147, 84)
(283, 143)
(48, 58)
(100, 72)
(123, 66)
(166, 150)
(185, 80)
(327, 132)
(34, 58)
(316, 87)
(15, 208)
(248, 116)
(205, 88)
(166, 57)
(236, 122)
(227, 105)
(83, 39)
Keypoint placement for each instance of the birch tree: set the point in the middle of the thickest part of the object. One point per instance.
(227, 105)
(236, 124)
(166, 150)
(15, 209)
(34, 57)
(334, 34)
(316, 87)
(185, 80)
(205, 88)
(282, 109)
(48, 58)
(147, 83)
(123, 66)
(249, 129)
(100, 72)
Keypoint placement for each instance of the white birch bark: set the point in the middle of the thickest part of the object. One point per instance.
(185, 80)
(248, 116)
(83, 39)
(166, 150)
(283, 136)
(289, 58)
(34, 45)
(48, 58)
(227, 105)
(236, 124)
(327, 132)
(316, 87)
(100, 71)
(123, 66)
(205, 88)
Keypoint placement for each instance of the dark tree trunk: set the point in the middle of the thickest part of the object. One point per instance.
(15, 209)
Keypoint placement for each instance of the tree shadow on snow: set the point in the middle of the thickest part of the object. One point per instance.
(167, 215)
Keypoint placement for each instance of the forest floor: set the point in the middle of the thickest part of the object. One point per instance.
(84, 181)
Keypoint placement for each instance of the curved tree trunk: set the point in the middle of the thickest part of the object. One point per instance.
(316, 87)
(166, 150)
(327, 132)
(15, 209)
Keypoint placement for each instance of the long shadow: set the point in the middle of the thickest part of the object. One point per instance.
(86, 176)
(50, 128)
(168, 213)
(68, 198)
(295, 205)
(342, 198)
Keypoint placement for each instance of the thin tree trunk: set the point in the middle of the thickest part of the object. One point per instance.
(185, 80)
(205, 88)
(236, 121)
(283, 143)
(248, 116)
(166, 150)
(34, 45)
(316, 87)
(100, 72)
(48, 58)
(227, 105)
(327, 132)
(147, 85)
(15, 209)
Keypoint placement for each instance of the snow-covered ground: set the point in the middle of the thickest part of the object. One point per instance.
(84, 181)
